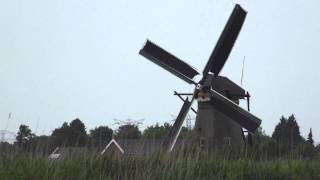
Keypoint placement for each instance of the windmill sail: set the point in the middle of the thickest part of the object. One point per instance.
(226, 41)
(235, 112)
(170, 141)
(168, 61)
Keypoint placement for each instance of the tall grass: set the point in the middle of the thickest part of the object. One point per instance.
(226, 164)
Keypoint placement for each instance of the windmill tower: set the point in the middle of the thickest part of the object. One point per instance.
(219, 115)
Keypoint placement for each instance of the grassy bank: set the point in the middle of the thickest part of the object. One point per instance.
(156, 166)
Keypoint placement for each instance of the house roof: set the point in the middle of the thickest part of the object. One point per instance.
(112, 141)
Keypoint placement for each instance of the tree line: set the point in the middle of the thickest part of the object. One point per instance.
(74, 134)
(285, 139)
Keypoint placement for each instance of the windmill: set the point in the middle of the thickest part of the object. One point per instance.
(219, 116)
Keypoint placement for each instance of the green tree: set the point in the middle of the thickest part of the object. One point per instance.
(156, 131)
(78, 133)
(310, 137)
(287, 133)
(70, 135)
(160, 132)
(100, 136)
(24, 136)
(128, 131)
(62, 136)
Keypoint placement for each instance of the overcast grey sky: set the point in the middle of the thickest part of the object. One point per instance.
(60, 59)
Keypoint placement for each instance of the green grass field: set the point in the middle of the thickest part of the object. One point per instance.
(184, 166)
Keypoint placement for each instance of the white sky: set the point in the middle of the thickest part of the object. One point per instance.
(60, 60)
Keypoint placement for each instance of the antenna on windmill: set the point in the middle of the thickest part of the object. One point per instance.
(243, 61)
(249, 135)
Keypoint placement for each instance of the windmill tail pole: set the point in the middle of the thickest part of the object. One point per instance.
(248, 106)
(180, 97)
(248, 101)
